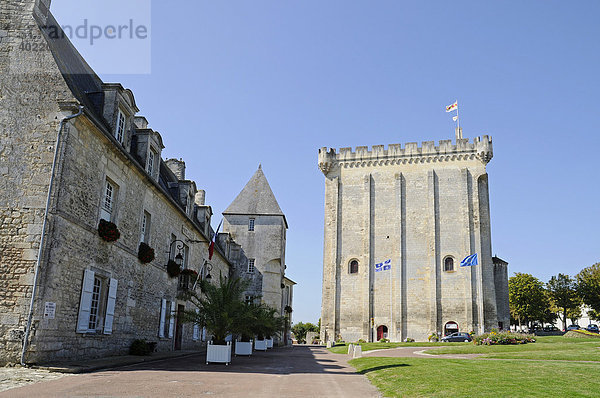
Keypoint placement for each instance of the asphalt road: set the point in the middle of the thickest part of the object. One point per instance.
(300, 371)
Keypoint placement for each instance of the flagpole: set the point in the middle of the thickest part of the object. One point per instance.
(457, 118)
(391, 310)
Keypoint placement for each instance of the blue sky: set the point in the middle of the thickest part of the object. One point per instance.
(238, 83)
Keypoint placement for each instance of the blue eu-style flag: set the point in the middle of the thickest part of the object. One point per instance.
(384, 266)
(469, 260)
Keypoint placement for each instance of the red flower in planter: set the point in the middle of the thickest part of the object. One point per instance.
(145, 253)
(108, 231)
(189, 272)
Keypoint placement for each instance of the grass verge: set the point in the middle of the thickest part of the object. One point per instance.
(416, 377)
(545, 348)
(343, 348)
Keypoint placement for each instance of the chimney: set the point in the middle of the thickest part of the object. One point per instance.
(177, 167)
(200, 197)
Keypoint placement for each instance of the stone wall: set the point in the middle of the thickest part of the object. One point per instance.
(266, 244)
(31, 89)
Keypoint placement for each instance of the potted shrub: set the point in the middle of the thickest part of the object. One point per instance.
(243, 346)
(145, 253)
(221, 311)
(265, 324)
(108, 231)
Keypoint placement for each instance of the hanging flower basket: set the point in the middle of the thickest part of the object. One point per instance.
(189, 272)
(145, 253)
(288, 309)
(108, 231)
(173, 269)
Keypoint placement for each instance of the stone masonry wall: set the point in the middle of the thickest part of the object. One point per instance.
(266, 244)
(31, 88)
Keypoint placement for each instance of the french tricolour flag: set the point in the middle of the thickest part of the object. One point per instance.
(211, 248)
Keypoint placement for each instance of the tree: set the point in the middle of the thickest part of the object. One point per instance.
(594, 315)
(527, 298)
(300, 329)
(563, 292)
(588, 286)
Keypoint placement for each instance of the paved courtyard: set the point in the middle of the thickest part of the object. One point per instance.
(300, 371)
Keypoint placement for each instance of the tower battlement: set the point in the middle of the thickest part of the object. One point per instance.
(481, 149)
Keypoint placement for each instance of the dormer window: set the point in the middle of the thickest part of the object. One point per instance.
(120, 129)
(150, 163)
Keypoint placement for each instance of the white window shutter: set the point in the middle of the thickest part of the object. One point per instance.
(110, 306)
(204, 334)
(163, 313)
(83, 320)
(196, 332)
(172, 319)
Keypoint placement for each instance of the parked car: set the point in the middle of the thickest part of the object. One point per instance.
(457, 337)
(573, 327)
(550, 328)
(592, 328)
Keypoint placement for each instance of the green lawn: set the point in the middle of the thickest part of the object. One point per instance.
(547, 347)
(424, 377)
(343, 348)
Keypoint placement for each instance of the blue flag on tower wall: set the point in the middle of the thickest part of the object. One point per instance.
(469, 260)
(384, 266)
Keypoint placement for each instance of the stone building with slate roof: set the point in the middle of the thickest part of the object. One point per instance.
(255, 221)
(75, 154)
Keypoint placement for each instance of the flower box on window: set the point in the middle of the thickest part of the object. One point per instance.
(108, 231)
(145, 253)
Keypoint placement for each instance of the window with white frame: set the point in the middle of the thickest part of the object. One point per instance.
(97, 304)
(167, 318)
(120, 129)
(251, 224)
(249, 299)
(151, 160)
(250, 265)
(108, 200)
(145, 230)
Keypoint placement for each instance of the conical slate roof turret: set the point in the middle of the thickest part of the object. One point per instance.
(256, 198)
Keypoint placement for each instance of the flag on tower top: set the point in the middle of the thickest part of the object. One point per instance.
(452, 107)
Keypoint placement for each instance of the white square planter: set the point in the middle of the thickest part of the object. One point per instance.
(269, 342)
(243, 347)
(260, 345)
(218, 353)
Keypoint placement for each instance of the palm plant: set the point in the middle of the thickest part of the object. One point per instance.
(220, 308)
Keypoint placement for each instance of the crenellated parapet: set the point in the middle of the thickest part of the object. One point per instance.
(428, 152)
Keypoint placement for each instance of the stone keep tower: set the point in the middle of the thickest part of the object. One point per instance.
(424, 209)
(256, 222)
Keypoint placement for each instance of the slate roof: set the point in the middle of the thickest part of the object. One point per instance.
(256, 198)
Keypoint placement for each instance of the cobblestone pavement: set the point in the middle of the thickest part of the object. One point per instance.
(11, 377)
